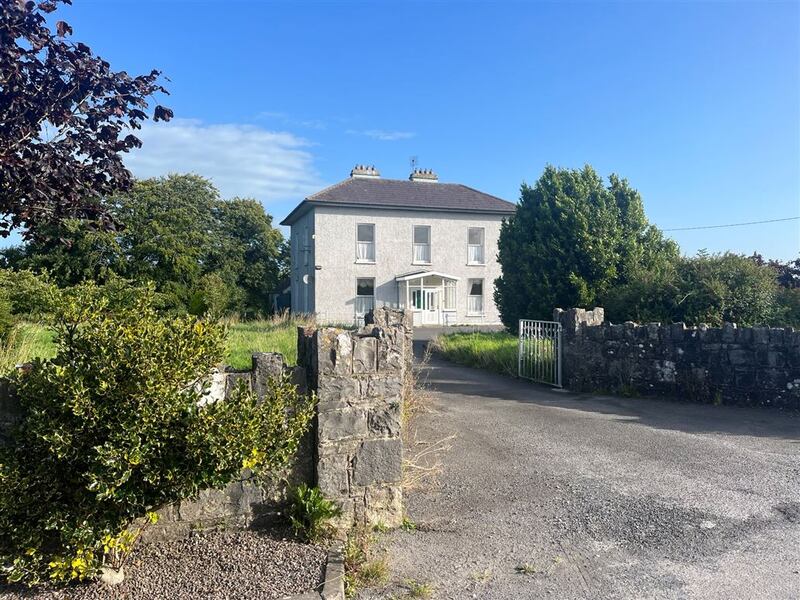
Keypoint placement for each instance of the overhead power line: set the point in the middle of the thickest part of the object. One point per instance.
(732, 224)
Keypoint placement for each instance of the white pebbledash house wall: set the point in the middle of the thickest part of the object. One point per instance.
(437, 257)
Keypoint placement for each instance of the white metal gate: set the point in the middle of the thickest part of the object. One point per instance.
(539, 354)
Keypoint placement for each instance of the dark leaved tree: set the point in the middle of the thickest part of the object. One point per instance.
(65, 119)
(572, 239)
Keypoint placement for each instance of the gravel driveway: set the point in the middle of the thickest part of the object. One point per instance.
(548, 494)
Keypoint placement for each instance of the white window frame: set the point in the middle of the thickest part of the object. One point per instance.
(372, 244)
(449, 285)
(360, 305)
(481, 247)
(470, 298)
(415, 245)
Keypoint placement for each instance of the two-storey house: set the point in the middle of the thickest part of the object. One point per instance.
(418, 244)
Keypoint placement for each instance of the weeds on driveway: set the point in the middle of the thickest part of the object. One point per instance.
(416, 589)
(362, 567)
(532, 569)
(422, 463)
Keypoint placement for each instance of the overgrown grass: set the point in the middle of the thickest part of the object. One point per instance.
(277, 334)
(491, 350)
(25, 342)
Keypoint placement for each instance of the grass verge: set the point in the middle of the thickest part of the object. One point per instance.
(277, 334)
(491, 350)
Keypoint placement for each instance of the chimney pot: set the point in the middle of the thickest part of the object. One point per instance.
(365, 172)
(426, 175)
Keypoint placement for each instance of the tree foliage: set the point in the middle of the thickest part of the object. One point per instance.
(571, 240)
(787, 273)
(117, 426)
(707, 288)
(65, 118)
(202, 252)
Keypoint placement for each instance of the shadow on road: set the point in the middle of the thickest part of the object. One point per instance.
(449, 378)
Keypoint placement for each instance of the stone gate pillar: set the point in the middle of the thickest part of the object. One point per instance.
(360, 379)
(573, 355)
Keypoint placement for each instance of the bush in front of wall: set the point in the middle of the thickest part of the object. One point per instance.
(117, 425)
(311, 513)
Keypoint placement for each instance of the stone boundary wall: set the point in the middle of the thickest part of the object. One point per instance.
(354, 449)
(243, 503)
(752, 366)
(360, 380)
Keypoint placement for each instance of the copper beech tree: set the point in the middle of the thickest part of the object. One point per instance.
(65, 119)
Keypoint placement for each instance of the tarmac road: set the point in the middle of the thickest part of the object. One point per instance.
(549, 494)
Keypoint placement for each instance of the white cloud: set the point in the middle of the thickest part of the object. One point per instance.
(291, 121)
(383, 135)
(241, 160)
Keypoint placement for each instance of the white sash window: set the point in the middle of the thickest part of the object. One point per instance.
(422, 244)
(475, 237)
(475, 297)
(365, 295)
(365, 242)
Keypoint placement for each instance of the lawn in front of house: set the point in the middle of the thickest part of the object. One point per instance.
(278, 334)
(491, 350)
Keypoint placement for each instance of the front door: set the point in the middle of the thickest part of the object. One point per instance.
(430, 307)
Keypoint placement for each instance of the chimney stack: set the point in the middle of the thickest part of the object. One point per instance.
(365, 172)
(424, 175)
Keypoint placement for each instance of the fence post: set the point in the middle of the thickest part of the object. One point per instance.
(519, 349)
(560, 355)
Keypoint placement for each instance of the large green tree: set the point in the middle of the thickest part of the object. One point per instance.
(202, 252)
(572, 238)
(252, 255)
(169, 232)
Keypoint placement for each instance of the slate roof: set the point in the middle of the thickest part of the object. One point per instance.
(399, 193)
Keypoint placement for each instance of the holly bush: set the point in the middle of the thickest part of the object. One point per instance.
(118, 425)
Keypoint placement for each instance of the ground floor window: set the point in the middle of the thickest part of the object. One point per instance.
(416, 299)
(475, 297)
(365, 295)
(449, 295)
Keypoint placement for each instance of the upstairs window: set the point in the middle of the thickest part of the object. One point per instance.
(422, 244)
(475, 236)
(475, 297)
(365, 242)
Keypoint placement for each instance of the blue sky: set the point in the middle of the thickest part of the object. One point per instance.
(697, 104)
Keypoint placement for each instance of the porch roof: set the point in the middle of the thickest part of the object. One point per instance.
(420, 274)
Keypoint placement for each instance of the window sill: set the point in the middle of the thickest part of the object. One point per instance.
(476, 314)
(365, 262)
(422, 263)
(448, 310)
(476, 264)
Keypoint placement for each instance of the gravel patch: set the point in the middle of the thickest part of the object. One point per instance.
(258, 565)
